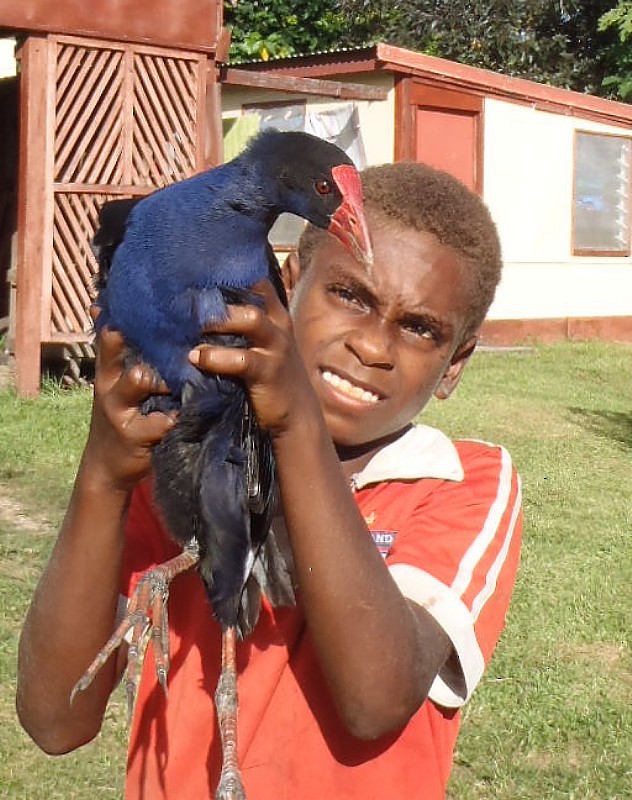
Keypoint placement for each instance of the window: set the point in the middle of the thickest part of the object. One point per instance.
(601, 194)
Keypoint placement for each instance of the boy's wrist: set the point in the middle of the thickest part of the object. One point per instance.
(95, 480)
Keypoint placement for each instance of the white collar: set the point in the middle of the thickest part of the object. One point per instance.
(421, 452)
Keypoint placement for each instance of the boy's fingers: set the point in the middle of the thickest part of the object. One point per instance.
(224, 360)
(133, 383)
(253, 320)
(111, 346)
(151, 429)
(138, 382)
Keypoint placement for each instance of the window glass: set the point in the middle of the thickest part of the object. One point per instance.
(601, 194)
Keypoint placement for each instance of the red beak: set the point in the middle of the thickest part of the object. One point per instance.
(348, 224)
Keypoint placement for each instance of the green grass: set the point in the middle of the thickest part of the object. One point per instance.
(553, 715)
(40, 446)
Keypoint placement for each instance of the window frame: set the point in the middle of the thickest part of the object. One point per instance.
(583, 251)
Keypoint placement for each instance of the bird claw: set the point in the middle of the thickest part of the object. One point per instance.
(146, 612)
(230, 788)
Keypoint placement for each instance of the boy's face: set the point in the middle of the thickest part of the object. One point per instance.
(377, 344)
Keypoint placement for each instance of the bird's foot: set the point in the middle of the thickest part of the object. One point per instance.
(146, 612)
(230, 785)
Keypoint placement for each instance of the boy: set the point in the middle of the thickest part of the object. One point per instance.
(355, 693)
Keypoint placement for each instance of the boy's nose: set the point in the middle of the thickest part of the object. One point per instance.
(372, 343)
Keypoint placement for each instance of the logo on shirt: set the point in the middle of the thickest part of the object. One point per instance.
(384, 541)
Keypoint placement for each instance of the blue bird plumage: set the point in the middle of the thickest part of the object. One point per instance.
(170, 263)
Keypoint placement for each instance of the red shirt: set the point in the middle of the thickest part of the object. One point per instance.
(447, 518)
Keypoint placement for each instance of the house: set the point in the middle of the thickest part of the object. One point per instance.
(554, 167)
(119, 97)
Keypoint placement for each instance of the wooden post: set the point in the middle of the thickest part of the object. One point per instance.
(404, 121)
(213, 135)
(34, 214)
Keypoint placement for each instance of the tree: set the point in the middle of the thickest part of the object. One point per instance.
(619, 19)
(553, 41)
(264, 30)
(576, 44)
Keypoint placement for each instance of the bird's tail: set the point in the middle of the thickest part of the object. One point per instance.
(215, 481)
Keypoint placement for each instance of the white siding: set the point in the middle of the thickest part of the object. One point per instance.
(528, 187)
(7, 58)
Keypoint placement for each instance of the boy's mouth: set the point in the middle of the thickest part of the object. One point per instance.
(345, 386)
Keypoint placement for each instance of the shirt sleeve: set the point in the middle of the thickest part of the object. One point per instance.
(456, 555)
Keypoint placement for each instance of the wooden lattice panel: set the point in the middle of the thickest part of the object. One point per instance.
(89, 115)
(128, 119)
(165, 123)
(75, 218)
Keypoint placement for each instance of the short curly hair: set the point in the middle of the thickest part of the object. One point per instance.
(423, 198)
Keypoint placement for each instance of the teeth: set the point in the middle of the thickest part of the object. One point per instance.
(343, 385)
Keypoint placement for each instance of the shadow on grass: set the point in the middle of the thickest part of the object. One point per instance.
(613, 425)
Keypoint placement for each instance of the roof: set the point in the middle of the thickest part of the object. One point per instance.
(383, 57)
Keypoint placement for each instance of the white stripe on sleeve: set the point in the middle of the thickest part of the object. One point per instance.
(494, 571)
(486, 535)
(454, 617)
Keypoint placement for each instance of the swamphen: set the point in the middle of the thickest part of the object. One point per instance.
(168, 266)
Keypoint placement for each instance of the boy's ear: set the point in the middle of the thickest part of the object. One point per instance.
(290, 273)
(452, 375)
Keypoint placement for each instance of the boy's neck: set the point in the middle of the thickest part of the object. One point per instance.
(355, 458)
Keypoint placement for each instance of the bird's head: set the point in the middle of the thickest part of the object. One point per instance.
(317, 181)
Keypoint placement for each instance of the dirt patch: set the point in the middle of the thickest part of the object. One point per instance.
(572, 758)
(11, 513)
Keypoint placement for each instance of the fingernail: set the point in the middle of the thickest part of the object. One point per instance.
(194, 356)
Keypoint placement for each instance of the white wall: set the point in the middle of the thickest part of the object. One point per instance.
(7, 58)
(528, 184)
(376, 117)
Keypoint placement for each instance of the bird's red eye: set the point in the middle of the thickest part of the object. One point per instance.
(323, 187)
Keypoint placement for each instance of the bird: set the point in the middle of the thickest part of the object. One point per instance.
(169, 266)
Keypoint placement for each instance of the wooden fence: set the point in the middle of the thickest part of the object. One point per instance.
(99, 120)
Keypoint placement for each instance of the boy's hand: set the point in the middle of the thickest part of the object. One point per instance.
(271, 367)
(119, 444)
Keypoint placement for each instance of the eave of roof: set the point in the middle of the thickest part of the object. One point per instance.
(383, 57)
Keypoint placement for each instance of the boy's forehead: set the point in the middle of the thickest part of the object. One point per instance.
(411, 267)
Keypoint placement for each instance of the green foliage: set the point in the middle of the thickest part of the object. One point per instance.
(553, 42)
(577, 44)
(263, 30)
(619, 19)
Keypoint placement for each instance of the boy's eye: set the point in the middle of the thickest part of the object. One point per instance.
(420, 330)
(345, 294)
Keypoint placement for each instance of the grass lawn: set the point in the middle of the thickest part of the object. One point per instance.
(553, 715)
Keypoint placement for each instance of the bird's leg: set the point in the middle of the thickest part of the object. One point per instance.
(147, 605)
(230, 786)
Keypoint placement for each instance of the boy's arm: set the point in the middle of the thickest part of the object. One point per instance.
(379, 652)
(73, 609)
